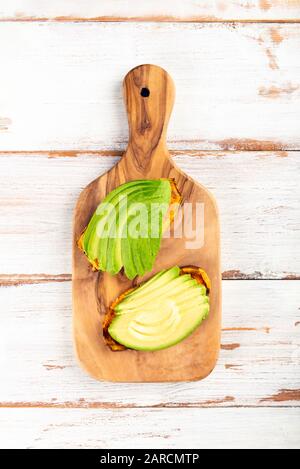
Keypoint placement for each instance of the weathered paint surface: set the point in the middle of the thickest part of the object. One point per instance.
(154, 10)
(237, 85)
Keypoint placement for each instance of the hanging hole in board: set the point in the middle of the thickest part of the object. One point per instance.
(145, 92)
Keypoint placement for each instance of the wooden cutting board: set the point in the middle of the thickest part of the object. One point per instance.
(149, 96)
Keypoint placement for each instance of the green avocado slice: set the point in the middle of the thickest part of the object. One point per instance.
(162, 278)
(102, 213)
(101, 232)
(120, 233)
(160, 313)
(175, 288)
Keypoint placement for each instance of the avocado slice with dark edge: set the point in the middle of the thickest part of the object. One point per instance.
(160, 313)
(108, 243)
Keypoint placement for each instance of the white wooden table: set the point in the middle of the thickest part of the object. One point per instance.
(235, 128)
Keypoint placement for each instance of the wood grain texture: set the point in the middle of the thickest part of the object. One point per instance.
(258, 365)
(146, 157)
(238, 85)
(258, 194)
(152, 10)
(155, 428)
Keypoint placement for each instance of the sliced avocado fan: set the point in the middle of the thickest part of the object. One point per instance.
(127, 227)
(160, 313)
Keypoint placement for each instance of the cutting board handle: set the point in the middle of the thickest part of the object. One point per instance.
(149, 97)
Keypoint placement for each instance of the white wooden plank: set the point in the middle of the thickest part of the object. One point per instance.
(238, 86)
(150, 428)
(259, 363)
(257, 193)
(175, 10)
